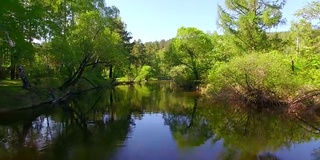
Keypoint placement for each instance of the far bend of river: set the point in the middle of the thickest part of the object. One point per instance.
(152, 122)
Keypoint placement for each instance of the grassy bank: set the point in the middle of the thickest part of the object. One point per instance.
(12, 95)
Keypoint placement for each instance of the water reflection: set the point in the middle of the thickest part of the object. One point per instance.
(189, 128)
(151, 121)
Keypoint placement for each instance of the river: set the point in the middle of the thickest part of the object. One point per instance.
(154, 122)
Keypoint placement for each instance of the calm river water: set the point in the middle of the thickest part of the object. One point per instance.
(152, 122)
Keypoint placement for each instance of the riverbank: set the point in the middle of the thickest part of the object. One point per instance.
(13, 96)
(305, 106)
(128, 113)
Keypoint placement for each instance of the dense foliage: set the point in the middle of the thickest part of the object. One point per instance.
(86, 43)
(267, 74)
(76, 40)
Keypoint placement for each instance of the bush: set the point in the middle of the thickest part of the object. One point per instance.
(144, 74)
(256, 76)
(308, 70)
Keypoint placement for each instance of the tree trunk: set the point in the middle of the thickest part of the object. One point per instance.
(12, 71)
(111, 72)
(24, 79)
(75, 76)
(196, 74)
(194, 110)
(74, 79)
(111, 106)
(17, 73)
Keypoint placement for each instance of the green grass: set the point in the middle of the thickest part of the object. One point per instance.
(122, 79)
(12, 95)
(4, 83)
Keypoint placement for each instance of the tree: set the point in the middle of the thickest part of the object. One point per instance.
(304, 33)
(192, 49)
(90, 43)
(118, 26)
(137, 60)
(20, 23)
(246, 22)
(311, 11)
(155, 57)
(26, 21)
(303, 37)
(221, 47)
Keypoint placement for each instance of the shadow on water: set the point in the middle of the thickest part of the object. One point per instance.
(104, 125)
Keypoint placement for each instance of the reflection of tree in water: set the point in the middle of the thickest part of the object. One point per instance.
(94, 125)
(268, 156)
(99, 138)
(25, 132)
(76, 130)
(99, 142)
(316, 154)
(247, 133)
(188, 128)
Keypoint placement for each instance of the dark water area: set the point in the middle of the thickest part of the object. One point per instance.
(153, 122)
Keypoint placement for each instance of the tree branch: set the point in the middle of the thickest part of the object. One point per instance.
(99, 62)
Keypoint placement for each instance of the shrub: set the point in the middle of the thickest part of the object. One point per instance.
(144, 73)
(308, 70)
(255, 76)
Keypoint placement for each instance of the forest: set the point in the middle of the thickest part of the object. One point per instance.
(63, 47)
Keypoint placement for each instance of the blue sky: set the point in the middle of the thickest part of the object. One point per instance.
(151, 20)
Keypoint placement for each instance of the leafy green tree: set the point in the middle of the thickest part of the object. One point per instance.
(118, 26)
(192, 49)
(221, 47)
(311, 11)
(304, 33)
(245, 22)
(21, 22)
(138, 53)
(304, 38)
(162, 66)
(90, 43)
(138, 62)
(155, 57)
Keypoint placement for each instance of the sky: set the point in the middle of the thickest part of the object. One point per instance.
(151, 20)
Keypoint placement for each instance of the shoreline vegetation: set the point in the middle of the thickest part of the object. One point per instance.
(265, 81)
(245, 64)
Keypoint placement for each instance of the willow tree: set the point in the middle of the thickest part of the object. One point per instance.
(246, 22)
